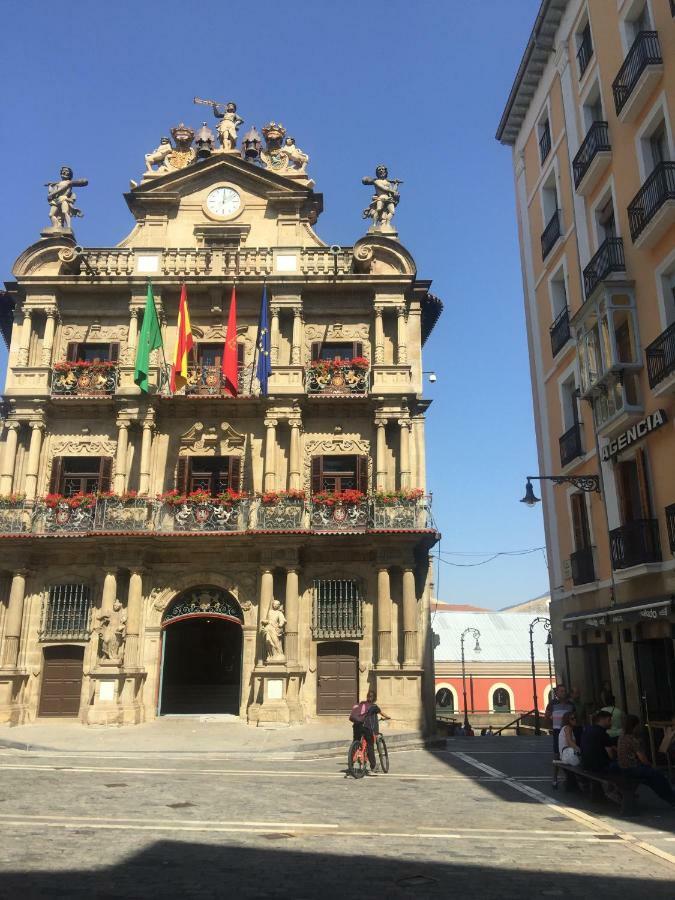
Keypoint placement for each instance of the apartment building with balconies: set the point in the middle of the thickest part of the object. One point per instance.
(591, 123)
(265, 554)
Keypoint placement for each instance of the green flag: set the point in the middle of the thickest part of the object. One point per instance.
(149, 339)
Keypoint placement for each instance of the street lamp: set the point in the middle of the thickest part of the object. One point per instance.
(475, 633)
(587, 483)
(547, 625)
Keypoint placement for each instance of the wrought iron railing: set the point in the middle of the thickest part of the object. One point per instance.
(400, 514)
(545, 142)
(343, 379)
(116, 514)
(87, 380)
(560, 331)
(550, 234)
(596, 140)
(570, 444)
(64, 518)
(644, 52)
(635, 543)
(337, 610)
(66, 613)
(15, 517)
(105, 514)
(661, 356)
(585, 51)
(609, 258)
(339, 516)
(670, 525)
(209, 381)
(657, 190)
(583, 567)
(203, 516)
(286, 514)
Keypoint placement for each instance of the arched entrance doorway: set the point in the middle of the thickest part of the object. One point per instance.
(201, 654)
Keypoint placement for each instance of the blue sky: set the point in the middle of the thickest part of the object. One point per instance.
(419, 86)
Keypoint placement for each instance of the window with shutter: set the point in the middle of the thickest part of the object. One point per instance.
(81, 475)
(339, 473)
(213, 474)
(55, 475)
(336, 349)
(88, 352)
(182, 470)
(105, 474)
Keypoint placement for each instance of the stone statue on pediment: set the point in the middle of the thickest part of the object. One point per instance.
(61, 198)
(157, 157)
(228, 125)
(272, 629)
(384, 201)
(112, 631)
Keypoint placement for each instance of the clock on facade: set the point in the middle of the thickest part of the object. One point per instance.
(223, 202)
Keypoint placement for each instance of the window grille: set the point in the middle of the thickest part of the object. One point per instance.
(337, 611)
(66, 613)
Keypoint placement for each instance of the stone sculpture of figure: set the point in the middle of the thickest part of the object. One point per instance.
(297, 160)
(61, 198)
(228, 125)
(272, 629)
(158, 156)
(113, 631)
(385, 199)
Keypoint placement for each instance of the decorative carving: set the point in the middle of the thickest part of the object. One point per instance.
(205, 440)
(297, 160)
(332, 446)
(112, 631)
(203, 601)
(272, 629)
(182, 154)
(61, 198)
(85, 446)
(157, 157)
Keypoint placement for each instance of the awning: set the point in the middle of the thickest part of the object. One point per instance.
(643, 610)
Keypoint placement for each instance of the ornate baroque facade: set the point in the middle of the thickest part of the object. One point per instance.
(136, 600)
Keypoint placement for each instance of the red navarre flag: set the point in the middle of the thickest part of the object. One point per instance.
(230, 361)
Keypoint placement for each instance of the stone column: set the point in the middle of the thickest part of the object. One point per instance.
(296, 345)
(274, 336)
(134, 608)
(270, 481)
(109, 593)
(9, 458)
(48, 339)
(146, 447)
(292, 611)
(132, 340)
(381, 470)
(383, 618)
(33, 464)
(404, 453)
(266, 597)
(24, 340)
(402, 337)
(294, 474)
(379, 336)
(121, 457)
(410, 651)
(14, 619)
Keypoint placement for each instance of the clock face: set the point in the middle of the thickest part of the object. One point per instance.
(223, 201)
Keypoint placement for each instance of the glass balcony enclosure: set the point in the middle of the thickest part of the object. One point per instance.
(608, 342)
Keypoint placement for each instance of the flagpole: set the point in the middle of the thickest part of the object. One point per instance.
(152, 294)
(255, 352)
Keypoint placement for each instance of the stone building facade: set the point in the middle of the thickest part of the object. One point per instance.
(136, 600)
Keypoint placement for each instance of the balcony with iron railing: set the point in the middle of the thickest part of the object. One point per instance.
(209, 381)
(660, 356)
(652, 210)
(338, 377)
(638, 74)
(670, 525)
(585, 51)
(84, 379)
(582, 565)
(551, 234)
(560, 331)
(544, 142)
(635, 543)
(608, 259)
(570, 445)
(592, 158)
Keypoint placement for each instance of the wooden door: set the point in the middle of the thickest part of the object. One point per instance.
(337, 678)
(61, 681)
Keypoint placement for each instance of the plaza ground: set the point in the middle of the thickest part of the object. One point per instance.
(477, 818)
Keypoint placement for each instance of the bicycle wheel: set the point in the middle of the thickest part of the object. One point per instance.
(383, 754)
(355, 762)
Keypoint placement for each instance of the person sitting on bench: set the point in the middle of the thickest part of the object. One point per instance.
(597, 747)
(634, 762)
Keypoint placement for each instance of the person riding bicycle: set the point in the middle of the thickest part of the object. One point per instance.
(364, 724)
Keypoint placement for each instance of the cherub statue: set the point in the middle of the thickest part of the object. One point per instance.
(385, 199)
(272, 629)
(228, 125)
(158, 156)
(61, 198)
(112, 631)
(296, 158)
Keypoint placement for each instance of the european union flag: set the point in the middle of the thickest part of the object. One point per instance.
(264, 367)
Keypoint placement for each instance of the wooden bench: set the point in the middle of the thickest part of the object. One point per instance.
(625, 786)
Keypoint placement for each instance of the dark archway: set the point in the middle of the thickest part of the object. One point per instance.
(201, 659)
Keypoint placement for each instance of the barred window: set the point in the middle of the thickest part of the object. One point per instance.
(66, 613)
(337, 611)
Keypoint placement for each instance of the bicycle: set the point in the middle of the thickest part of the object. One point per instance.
(357, 758)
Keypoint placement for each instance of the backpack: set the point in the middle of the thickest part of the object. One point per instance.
(358, 713)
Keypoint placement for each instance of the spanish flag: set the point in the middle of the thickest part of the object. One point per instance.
(230, 360)
(184, 344)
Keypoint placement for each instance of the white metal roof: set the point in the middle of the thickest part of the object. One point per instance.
(504, 637)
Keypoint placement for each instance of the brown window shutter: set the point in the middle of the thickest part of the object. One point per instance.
(643, 483)
(55, 476)
(358, 349)
(71, 351)
(362, 473)
(182, 474)
(582, 537)
(113, 352)
(316, 474)
(105, 474)
(240, 355)
(316, 350)
(235, 473)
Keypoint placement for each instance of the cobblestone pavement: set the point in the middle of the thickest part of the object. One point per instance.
(479, 819)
